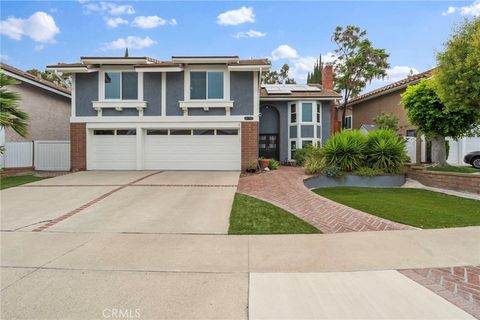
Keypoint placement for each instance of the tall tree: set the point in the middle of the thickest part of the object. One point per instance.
(278, 77)
(11, 115)
(458, 72)
(316, 75)
(357, 63)
(432, 117)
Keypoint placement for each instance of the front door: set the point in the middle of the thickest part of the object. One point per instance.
(268, 146)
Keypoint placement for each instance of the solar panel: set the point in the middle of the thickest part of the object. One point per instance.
(288, 88)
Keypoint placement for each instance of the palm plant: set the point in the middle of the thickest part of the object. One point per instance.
(11, 115)
(346, 150)
(386, 151)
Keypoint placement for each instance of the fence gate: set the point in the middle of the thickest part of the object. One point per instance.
(52, 155)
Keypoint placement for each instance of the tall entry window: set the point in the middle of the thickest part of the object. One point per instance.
(206, 85)
(121, 85)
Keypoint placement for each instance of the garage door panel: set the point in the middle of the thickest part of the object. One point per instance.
(112, 152)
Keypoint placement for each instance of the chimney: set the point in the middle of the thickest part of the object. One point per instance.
(327, 76)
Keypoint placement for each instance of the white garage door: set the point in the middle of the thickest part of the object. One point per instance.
(112, 149)
(203, 149)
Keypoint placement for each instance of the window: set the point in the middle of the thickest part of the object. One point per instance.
(206, 85)
(127, 132)
(103, 132)
(157, 132)
(306, 143)
(121, 85)
(205, 132)
(293, 113)
(307, 112)
(180, 132)
(293, 148)
(227, 132)
(319, 112)
(411, 133)
(348, 122)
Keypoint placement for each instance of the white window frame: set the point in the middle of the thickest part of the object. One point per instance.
(101, 85)
(226, 82)
(290, 112)
(313, 113)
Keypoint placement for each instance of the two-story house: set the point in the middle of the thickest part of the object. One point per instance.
(190, 113)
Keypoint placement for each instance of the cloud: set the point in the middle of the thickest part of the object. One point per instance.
(249, 34)
(39, 47)
(236, 17)
(130, 42)
(151, 22)
(284, 52)
(115, 22)
(40, 27)
(107, 8)
(471, 10)
(4, 57)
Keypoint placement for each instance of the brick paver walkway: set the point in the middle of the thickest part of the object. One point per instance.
(285, 189)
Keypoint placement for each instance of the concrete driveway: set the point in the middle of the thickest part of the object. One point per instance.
(122, 201)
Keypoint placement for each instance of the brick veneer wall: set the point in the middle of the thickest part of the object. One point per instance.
(78, 146)
(249, 143)
(467, 182)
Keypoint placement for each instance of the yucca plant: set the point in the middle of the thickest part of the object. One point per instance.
(346, 150)
(386, 151)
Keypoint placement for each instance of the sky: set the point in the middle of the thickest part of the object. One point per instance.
(38, 33)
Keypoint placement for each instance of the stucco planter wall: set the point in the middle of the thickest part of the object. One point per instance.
(350, 180)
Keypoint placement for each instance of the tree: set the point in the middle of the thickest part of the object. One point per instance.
(278, 77)
(432, 117)
(64, 79)
(458, 74)
(11, 115)
(126, 53)
(386, 121)
(357, 63)
(316, 75)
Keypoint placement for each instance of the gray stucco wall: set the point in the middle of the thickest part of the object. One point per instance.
(174, 87)
(241, 92)
(270, 118)
(86, 91)
(326, 125)
(152, 93)
(306, 131)
(210, 112)
(281, 107)
(49, 114)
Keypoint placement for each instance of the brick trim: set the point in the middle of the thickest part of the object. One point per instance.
(78, 146)
(249, 140)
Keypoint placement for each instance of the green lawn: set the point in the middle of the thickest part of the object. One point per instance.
(252, 216)
(8, 182)
(463, 169)
(419, 208)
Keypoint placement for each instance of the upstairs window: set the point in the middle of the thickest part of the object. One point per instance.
(348, 122)
(121, 85)
(307, 115)
(206, 85)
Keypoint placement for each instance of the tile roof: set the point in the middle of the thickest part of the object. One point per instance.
(33, 78)
(392, 87)
(323, 93)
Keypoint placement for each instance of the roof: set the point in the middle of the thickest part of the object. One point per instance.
(88, 64)
(369, 127)
(392, 87)
(289, 91)
(27, 77)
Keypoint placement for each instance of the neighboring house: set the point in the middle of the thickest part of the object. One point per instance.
(190, 113)
(47, 104)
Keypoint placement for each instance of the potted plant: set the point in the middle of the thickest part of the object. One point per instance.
(264, 162)
(252, 167)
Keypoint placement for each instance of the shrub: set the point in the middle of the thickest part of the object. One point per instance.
(386, 151)
(300, 155)
(273, 165)
(368, 172)
(314, 165)
(333, 172)
(346, 149)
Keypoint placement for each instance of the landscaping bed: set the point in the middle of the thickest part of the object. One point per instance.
(418, 208)
(13, 181)
(352, 180)
(253, 216)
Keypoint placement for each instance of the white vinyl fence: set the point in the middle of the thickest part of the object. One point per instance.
(459, 148)
(411, 146)
(42, 155)
(52, 155)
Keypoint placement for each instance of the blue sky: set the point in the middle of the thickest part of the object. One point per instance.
(37, 33)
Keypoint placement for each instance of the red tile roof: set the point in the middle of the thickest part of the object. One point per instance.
(392, 87)
(31, 77)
